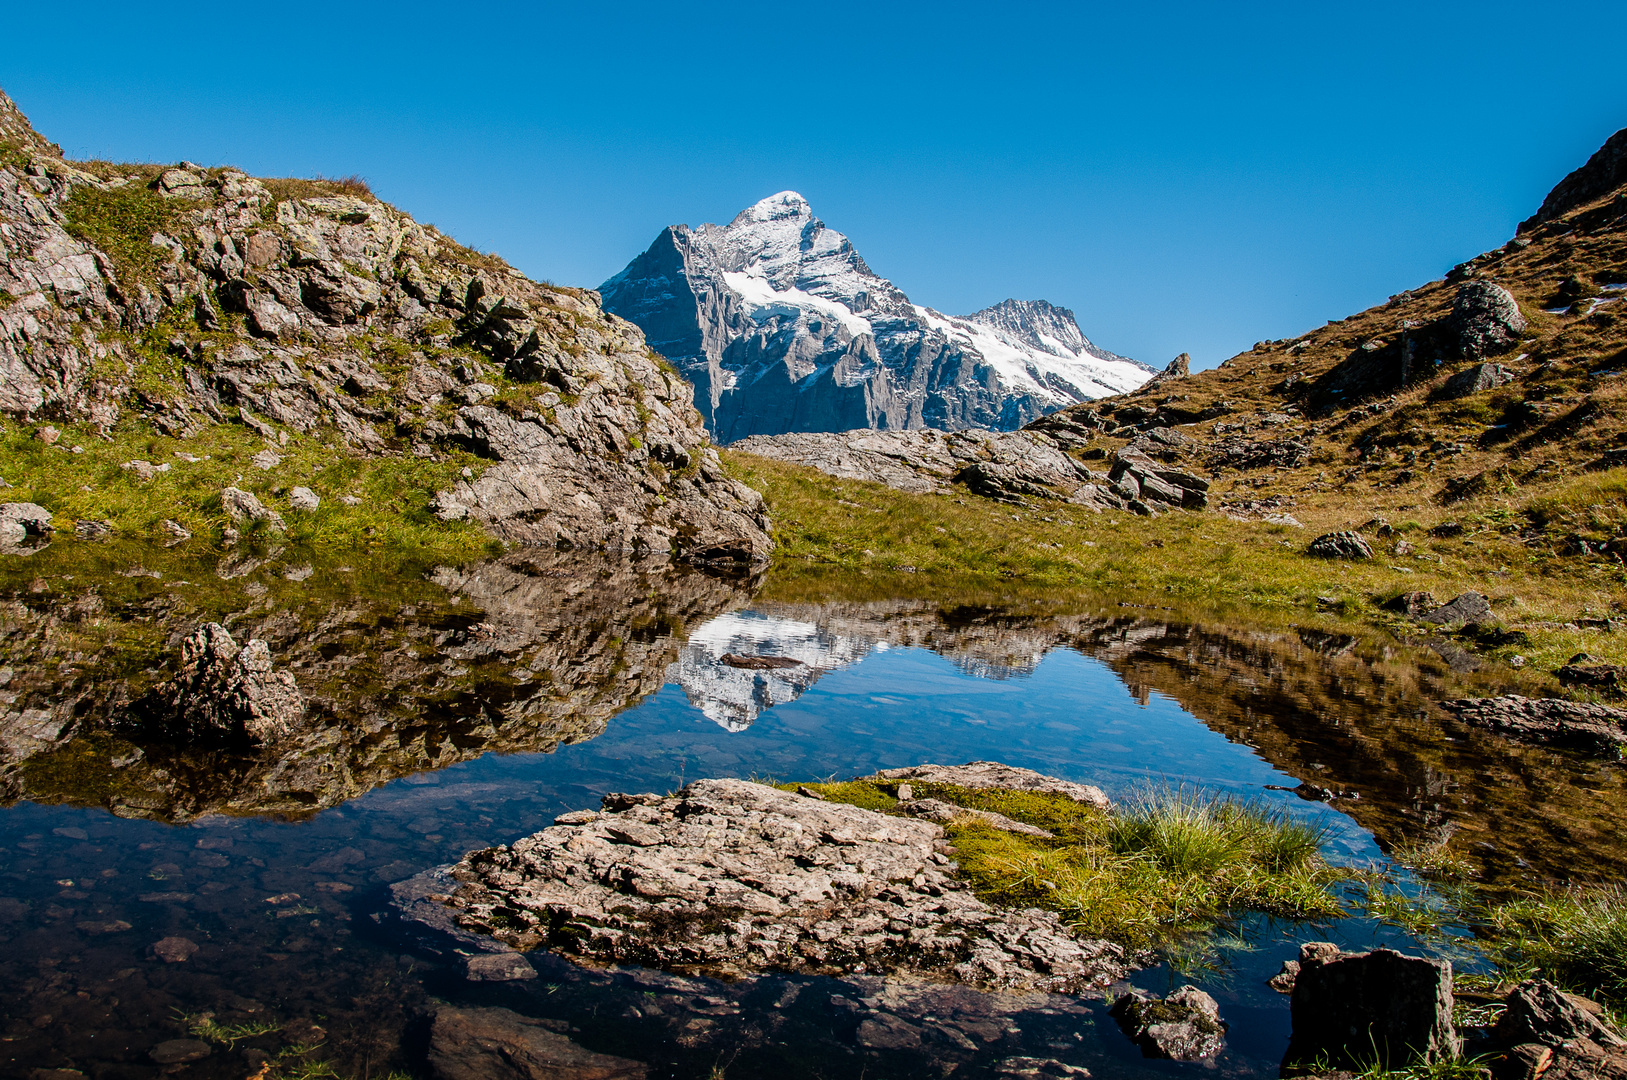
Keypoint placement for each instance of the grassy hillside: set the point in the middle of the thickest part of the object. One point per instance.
(1518, 492)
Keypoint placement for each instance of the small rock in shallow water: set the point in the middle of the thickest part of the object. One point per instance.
(499, 967)
(179, 1051)
(498, 1044)
(1185, 1026)
(173, 950)
(1538, 1011)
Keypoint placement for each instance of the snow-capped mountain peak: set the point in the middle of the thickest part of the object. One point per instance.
(782, 326)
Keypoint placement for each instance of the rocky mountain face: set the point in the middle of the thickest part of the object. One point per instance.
(782, 326)
(171, 300)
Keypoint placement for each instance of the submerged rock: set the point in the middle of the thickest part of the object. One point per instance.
(1185, 1026)
(1353, 1007)
(499, 1044)
(732, 876)
(1576, 725)
(223, 689)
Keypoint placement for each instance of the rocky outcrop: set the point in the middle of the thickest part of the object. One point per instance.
(1184, 1026)
(782, 327)
(1008, 466)
(303, 309)
(732, 877)
(500, 1044)
(1574, 725)
(1545, 1032)
(223, 690)
(1486, 319)
(1355, 1007)
(1341, 545)
(1605, 171)
(1476, 380)
(1470, 607)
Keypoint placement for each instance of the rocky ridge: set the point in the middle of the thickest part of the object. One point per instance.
(782, 326)
(170, 300)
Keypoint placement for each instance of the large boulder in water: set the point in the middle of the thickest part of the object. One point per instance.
(222, 690)
(1185, 1026)
(1351, 1008)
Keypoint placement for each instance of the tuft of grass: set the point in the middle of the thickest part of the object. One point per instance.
(1160, 871)
(1576, 937)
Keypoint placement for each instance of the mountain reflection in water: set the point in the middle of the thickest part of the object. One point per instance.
(589, 676)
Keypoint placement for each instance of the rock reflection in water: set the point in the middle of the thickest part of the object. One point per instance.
(273, 861)
(1336, 710)
(525, 652)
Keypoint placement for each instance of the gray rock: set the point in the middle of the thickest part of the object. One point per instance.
(1341, 545)
(92, 530)
(1414, 605)
(1538, 1011)
(997, 776)
(303, 498)
(222, 690)
(1185, 1026)
(243, 508)
(1358, 1006)
(498, 1044)
(806, 885)
(33, 519)
(1477, 379)
(1592, 729)
(1471, 607)
(1486, 319)
(499, 967)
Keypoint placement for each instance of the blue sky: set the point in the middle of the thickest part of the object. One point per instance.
(1186, 177)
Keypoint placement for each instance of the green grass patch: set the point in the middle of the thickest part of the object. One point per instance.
(1576, 937)
(121, 222)
(391, 512)
(1155, 872)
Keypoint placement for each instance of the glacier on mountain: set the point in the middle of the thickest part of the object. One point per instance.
(781, 326)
